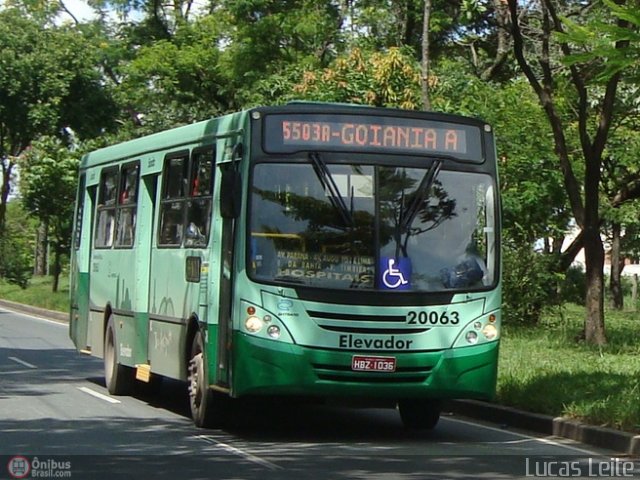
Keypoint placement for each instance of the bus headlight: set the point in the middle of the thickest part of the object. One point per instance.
(471, 337)
(490, 332)
(253, 324)
(273, 331)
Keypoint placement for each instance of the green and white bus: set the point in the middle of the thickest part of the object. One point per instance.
(310, 249)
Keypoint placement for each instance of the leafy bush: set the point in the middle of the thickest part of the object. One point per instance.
(573, 288)
(16, 260)
(529, 284)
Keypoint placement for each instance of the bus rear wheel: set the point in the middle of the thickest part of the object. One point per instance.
(117, 377)
(420, 414)
(206, 405)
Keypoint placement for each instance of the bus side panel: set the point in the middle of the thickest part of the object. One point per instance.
(79, 288)
(173, 301)
(95, 333)
(113, 289)
(78, 325)
(166, 348)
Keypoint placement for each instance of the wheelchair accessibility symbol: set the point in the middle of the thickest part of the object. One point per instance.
(395, 273)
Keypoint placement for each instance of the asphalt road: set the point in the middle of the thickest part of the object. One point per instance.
(58, 421)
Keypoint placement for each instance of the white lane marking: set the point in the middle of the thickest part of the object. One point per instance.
(22, 362)
(236, 451)
(527, 437)
(98, 395)
(59, 323)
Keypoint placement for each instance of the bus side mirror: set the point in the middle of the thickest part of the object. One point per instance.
(230, 194)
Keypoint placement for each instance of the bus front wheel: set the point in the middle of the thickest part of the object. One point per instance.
(118, 378)
(206, 405)
(419, 413)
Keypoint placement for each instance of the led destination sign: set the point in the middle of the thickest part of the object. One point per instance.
(291, 133)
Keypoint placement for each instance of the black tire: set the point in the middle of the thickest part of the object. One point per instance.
(118, 378)
(207, 406)
(420, 414)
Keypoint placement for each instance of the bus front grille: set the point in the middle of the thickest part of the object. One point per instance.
(377, 324)
(374, 331)
(350, 317)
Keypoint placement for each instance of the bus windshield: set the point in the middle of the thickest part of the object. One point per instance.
(346, 226)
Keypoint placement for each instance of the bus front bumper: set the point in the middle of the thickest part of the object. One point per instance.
(266, 367)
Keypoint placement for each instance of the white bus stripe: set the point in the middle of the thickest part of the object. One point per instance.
(22, 362)
(98, 395)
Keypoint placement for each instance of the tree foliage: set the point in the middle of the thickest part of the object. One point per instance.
(17, 247)
(48, 82)
(48, 186)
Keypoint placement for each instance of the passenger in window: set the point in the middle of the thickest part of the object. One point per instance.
(194, 236)
(197, 230)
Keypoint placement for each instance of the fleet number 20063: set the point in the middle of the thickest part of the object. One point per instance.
(433, 318)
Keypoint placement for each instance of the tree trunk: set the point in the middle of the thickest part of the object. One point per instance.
(615, 284)
(5, 189)
(634, 292)
(502, 52)
(594, 332)
(57, 260)
(42, 240)
(593, 254)
(426, 101)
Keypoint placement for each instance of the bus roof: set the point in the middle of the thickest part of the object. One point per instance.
(199, 132)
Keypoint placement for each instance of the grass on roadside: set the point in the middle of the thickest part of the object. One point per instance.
(544, 369)
(39, 293)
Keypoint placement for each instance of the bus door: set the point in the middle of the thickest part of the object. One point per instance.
(81, 262)
(168, 289)
(179, 258)
(230, 200)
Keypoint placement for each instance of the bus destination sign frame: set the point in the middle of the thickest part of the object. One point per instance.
(290, 133)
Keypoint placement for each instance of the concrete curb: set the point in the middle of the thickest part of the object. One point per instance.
(609, 438)
(624, 442)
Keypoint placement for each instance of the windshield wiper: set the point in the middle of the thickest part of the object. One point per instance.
(408, 216)
(329, 185)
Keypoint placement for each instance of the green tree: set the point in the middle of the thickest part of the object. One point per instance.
(175, 81)
(17, 246)
(383, 79)
(48, 186)
(48, 81)
(620, 207)
(587, 111)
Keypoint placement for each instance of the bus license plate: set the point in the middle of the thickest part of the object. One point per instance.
(373, 364)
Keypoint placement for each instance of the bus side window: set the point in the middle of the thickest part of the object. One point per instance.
(77, 227)
(127, 205)
(199, 204)
(105, 226)
(173, 200)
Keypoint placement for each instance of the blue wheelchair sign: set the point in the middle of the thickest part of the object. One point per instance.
(395, 273)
